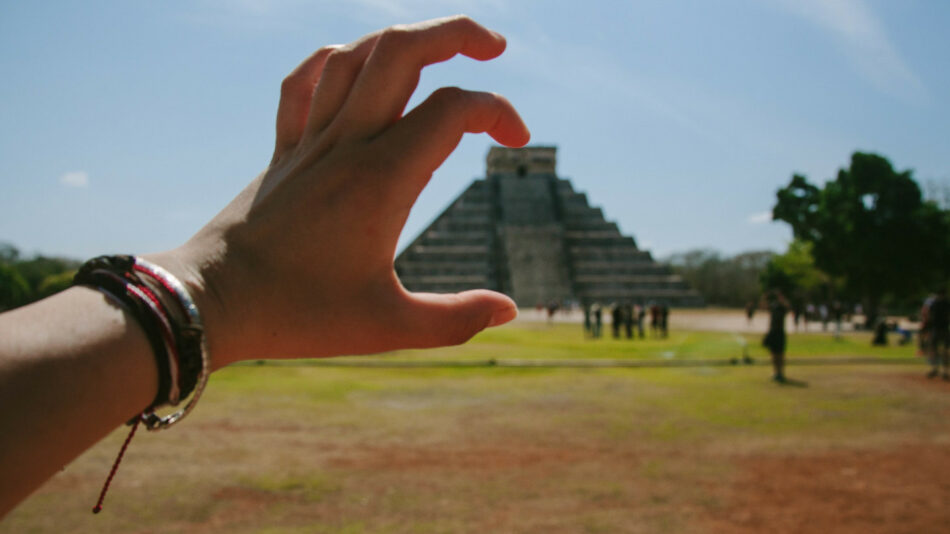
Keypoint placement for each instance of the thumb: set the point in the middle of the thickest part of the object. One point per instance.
(437, 320)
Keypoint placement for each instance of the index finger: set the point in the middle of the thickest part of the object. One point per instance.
(391, 72)
(419, 143)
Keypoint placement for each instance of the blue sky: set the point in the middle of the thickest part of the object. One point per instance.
(124, 126)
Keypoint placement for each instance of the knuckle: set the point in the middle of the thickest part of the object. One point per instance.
(340, 59)
(463, 20)
(328, 49)
(448, 96)
(293, 84)
(394, 41)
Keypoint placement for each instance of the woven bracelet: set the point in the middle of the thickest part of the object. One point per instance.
(109, 278)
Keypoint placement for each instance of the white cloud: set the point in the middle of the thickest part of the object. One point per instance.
(761, 217)
(865, 41)
(75, 179)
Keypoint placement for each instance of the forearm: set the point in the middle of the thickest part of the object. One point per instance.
(73, 367)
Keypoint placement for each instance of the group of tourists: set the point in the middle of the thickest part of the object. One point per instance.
(627, 317)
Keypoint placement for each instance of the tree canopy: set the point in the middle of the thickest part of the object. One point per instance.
(23, 281)
(871, 228)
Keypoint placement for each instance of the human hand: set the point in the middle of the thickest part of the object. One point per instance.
(300, 264)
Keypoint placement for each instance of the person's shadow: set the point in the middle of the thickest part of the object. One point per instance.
(791, 382)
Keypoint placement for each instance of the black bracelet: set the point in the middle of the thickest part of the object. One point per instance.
(111, 274)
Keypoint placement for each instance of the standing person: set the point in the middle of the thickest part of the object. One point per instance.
(924, 336)
(664, 320)
(775, 338)
(654, 319)
(940, 333)
(616, 320)
(552, 308)
(598, 319)
(628, 320)
(641, 315)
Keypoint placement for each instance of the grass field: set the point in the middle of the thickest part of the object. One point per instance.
(704, 448)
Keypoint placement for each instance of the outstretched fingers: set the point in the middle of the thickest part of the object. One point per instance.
(391, 72)
(424, 138)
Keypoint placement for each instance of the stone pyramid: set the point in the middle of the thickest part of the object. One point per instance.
(525, 232)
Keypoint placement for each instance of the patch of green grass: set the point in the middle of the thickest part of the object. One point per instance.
(527, 341)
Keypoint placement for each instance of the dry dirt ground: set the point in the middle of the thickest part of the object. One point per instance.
(530, 452)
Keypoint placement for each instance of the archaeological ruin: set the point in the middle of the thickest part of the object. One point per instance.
(527, 233)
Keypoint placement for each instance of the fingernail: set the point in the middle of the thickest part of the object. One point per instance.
(503, 315)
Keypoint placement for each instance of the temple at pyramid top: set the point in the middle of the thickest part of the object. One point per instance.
(525, 232)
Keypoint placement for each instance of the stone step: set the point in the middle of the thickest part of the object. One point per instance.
(481, 224)
(582, 268)
(456, 269)
(474, 280)
(590, 224)
(446, 239)
(581, 252)
(628, 279)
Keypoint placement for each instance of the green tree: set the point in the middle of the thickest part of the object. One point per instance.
(55, 283)
(871, 228)
(796, 275)
(14, 290)
(36, 270)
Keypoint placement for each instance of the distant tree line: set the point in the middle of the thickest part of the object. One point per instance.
(25, 280)
(728, 281)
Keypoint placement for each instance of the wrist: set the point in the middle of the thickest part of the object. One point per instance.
(195, 274)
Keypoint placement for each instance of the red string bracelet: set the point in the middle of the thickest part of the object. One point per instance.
(115, 466)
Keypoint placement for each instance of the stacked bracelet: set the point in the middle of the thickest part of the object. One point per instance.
(172, 323)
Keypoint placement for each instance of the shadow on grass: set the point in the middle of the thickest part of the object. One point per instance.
(791, 382)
